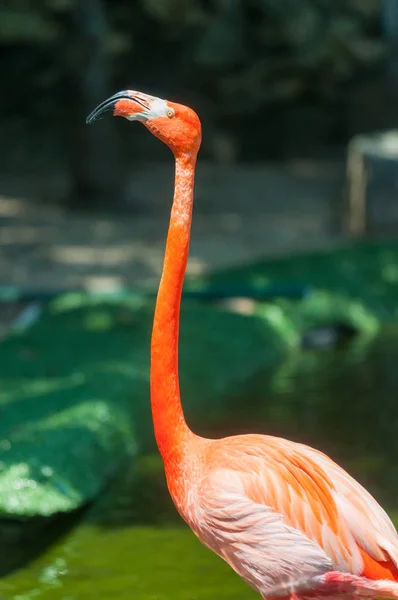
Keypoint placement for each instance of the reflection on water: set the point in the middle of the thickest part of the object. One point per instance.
(133, 544)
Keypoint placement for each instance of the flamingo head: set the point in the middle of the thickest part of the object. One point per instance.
(174, 124)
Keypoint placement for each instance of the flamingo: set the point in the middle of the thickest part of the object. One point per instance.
(290, 521)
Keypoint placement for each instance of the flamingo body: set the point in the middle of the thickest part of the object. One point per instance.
(291, 522)
(286, 518)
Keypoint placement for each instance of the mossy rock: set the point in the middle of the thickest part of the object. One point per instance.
(74, 394)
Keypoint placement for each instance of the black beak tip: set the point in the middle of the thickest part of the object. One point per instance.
(95, 115)
(90, 119)
(106, 106)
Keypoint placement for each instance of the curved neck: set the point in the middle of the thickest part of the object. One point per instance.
(171, 430)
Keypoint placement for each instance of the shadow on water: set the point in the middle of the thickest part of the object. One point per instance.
(133, 543)
(23, 542)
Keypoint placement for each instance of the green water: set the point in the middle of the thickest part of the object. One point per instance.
(132, 544)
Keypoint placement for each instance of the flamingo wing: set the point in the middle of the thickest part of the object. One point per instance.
(271, 556)
(305, 491)
(371, 528)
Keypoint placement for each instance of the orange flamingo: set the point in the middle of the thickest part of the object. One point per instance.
(285, 517)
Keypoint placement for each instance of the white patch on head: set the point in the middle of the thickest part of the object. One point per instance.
(158, 108)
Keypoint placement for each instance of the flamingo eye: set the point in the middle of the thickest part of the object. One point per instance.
(170, 113)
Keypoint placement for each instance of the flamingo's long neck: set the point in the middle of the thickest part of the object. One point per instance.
(171, 430)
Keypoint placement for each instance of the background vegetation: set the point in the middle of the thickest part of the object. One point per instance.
(270, 78)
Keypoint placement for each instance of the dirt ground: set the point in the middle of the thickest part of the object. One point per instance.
(241, 213)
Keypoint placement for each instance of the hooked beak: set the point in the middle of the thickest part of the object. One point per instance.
(128, 104)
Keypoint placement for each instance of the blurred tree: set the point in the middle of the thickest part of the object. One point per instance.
(286, 63)
(390, 30)
(97, 169)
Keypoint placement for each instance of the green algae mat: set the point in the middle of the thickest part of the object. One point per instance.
(74, 386)
(74, 394)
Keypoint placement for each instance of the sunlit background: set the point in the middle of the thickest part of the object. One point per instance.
(290, 311)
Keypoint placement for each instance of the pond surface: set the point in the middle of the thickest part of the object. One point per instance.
(132, 544)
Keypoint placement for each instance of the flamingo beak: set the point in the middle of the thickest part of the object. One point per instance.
(134, 106)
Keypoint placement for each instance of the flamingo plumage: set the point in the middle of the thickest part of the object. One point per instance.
(290, 521)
